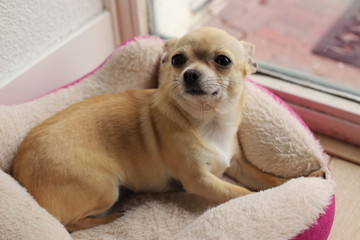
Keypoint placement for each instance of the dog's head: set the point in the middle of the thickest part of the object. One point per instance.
(205, 68)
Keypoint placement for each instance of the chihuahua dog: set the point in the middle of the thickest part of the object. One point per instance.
(75, 162)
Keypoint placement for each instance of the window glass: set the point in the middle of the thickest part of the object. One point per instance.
(314, 41)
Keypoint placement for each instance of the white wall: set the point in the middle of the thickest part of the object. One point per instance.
(28, 28)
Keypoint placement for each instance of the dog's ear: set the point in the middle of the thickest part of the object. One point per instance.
(250, 65)
(168, 46)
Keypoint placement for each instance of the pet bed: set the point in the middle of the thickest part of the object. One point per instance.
(273, 138)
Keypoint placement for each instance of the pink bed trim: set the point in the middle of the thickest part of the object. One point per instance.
(321, 229)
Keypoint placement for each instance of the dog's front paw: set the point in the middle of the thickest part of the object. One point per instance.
(318, 173)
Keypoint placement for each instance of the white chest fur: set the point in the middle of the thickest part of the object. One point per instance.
(219, 134)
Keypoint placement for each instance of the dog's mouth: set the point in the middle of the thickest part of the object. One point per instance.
(195, 83)
(201, 92)
(196, 92)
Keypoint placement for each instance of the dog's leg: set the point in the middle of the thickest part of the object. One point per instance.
(247, 174)
(93, 221)
(89, 222)
(211, 187)
(318, 173)
(74, 204)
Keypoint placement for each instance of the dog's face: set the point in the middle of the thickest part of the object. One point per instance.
(205, 68)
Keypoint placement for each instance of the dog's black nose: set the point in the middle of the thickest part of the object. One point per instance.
(192, 76)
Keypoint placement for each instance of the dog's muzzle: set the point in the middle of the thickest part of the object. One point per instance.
(192, 82)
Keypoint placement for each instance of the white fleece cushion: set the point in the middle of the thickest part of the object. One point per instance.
(276, 213)
(274, 139)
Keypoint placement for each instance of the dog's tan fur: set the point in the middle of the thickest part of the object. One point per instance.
(74, 162)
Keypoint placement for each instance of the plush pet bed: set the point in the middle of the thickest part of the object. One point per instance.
(273, 138)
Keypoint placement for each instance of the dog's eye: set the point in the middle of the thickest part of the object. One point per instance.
(178, 60)
(223, 61)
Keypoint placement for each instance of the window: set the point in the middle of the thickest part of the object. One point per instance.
(308, 51)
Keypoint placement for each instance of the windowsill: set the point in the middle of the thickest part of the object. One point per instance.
(324, 113)
(340, 149)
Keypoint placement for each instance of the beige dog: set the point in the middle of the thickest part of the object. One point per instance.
(75, 162)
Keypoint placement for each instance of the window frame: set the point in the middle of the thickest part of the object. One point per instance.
(324, 113)
(129, 18)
